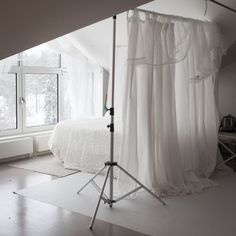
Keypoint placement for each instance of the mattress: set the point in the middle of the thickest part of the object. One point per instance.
(84, 144)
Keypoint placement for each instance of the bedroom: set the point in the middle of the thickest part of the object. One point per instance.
(95, 56)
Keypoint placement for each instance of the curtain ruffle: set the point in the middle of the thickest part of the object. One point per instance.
(181, 37)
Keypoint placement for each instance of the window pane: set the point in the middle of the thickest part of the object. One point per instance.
(41, 99)
(7, 101)
(41, 56)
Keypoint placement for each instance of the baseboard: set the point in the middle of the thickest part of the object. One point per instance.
(15, 158)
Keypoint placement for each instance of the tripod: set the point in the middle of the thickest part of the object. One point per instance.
(109, 165)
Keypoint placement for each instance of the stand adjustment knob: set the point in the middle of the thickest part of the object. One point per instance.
(112, 111)
(111, 127)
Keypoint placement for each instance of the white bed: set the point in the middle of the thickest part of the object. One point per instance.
(84, 144)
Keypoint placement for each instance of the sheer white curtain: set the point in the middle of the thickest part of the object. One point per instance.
(8, 95)
(81, 83)
(169, 117)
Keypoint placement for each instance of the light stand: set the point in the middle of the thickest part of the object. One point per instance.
(111, 164)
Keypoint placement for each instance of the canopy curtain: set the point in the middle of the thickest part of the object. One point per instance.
(81, 83)
(169, 118)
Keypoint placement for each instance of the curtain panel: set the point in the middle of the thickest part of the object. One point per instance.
(169, 117)
(81, 83)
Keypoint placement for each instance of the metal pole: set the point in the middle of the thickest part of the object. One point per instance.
(143, 186)
(91, 179)
(100, 198)
(112, 109)
(110, 164)
(229, 158)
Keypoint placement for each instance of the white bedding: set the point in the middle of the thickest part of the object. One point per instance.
(84, 144)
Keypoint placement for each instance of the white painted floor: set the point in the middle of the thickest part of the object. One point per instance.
(211, 213)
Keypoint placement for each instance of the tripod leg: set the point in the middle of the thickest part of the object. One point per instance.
(99, 200)
(143, 186)
(91, 179)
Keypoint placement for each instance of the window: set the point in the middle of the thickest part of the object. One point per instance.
(8, 97)
(41, 99)
(29, 91)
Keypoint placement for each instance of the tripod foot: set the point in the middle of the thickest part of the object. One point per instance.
(99, 199)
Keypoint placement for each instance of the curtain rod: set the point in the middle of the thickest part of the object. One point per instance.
(213, 1)
(166, 15)
(161, 14)
(222, 5)
(139, 9)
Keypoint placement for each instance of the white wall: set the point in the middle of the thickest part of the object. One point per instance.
(28, 144)
(227, 91)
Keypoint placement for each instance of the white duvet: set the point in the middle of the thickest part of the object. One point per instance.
(84, 144)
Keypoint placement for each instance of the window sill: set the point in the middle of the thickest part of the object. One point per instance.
(18, 136)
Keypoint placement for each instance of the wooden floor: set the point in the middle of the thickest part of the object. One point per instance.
(21, 216)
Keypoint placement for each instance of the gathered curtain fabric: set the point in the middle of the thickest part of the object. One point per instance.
(169, 115)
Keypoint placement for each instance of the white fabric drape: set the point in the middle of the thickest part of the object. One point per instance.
(169, 118)
(8, 86)
(82, 82)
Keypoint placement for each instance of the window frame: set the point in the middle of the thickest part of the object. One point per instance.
(21, 70)
(18, 129)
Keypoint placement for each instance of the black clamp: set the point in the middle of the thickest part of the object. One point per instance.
(112, 111)
(111, 126)
(110, 202)
(110, 163)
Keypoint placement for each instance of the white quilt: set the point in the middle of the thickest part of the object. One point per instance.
(84, 144)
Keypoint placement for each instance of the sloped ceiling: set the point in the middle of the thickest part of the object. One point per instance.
(225, 19)
(27, 23)
(96, 39)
